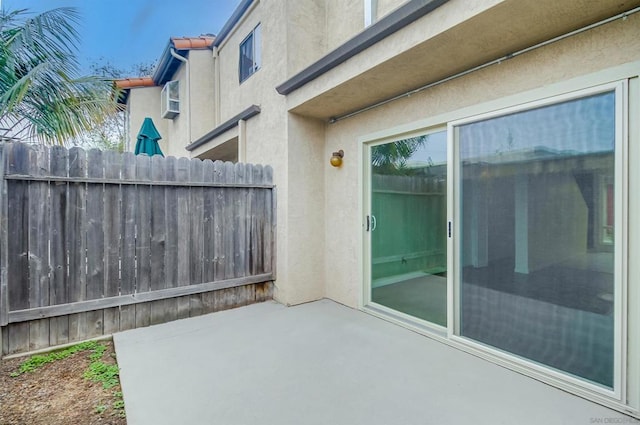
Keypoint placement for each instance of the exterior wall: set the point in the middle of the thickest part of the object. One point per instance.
(597, 49)
(387, 6)
(201, 99)
(300, 218)
(145, 102)
(344, 20)
(306, 40)
(178, 127)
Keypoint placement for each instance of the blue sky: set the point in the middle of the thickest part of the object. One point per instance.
(127, 32)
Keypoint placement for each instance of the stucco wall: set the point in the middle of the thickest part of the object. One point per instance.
(145, 102)
(613, 44)
(177, 128)
(268, 141)
(201, 101)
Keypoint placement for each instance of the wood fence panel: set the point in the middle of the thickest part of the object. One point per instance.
(128, 221)
(77, 241)
(18, 248)
(59, 290)
(229, 221)
(197, 224)
(270, 223)
(212, 235)
(4, 288)
(143, 237)
(112, 228)
(184, 233)
(95, 242)
(39, 268)
(239, 221)
(163, 242)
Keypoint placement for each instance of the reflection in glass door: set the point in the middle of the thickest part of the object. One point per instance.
(408, 226)
(537, 244)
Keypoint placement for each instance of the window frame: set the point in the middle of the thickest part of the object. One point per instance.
(620, 243)
(255, 37)
(166, 111)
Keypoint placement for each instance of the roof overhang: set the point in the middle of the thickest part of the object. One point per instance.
(232, 122)
(123, 87)
(168, 64)
(450, 39)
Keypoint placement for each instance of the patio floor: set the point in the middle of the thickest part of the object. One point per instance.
(323, 363)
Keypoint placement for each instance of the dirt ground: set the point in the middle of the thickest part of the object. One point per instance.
(56, 394)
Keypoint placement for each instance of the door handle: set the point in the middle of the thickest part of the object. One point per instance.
(374, 223)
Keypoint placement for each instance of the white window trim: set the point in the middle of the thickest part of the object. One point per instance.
(256, 34)
(165, 101)
(370, 12)
(626, 394)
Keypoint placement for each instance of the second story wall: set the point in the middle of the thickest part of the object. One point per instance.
(201, 99)
(178, 126)
(145, 102)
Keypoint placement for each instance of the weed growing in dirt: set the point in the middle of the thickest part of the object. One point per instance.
(98, 371)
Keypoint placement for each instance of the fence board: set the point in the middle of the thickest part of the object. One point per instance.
(128, 246)
(39, 269)
(239, 221)
(184, 234)
(76, 227)
(110, 247)
(111, 228)
(18, 239)
(228, 226)
(163, 242)
(59, 291)
(197, 224)
(4, 295)
(143, 237)
(95, 242)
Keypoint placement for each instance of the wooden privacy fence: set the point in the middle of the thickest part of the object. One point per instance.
(95, 242)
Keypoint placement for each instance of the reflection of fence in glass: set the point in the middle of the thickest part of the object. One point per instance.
(537, 234)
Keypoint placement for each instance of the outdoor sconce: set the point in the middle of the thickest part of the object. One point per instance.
(336, 158)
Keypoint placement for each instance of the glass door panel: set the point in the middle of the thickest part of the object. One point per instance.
(408, 226)
(537, 228)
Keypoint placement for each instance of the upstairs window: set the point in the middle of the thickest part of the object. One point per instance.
(250, 54)
(170, 100)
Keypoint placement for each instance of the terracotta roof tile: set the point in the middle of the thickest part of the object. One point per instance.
(185, 43)
(129, 83)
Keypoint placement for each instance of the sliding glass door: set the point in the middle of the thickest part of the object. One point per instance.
(514, 245)
(408, 195)
(538, 224)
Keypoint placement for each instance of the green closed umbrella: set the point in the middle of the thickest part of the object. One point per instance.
(147, 143)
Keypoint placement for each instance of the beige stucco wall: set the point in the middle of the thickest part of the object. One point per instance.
(387, 6)
(201, 99)
(601, 48)
(145, 102)
(269, 141)
(178, 127)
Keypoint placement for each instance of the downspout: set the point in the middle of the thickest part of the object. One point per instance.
(186, 62)
(216, 87)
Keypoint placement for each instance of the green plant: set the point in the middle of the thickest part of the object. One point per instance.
(98, 371)
(42, 95)
(101, 372)
(39, 360)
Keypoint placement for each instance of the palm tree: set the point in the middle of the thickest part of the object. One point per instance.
(391, 158)
(41, 95)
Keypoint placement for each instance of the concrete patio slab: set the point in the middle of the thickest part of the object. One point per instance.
(323, 363)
